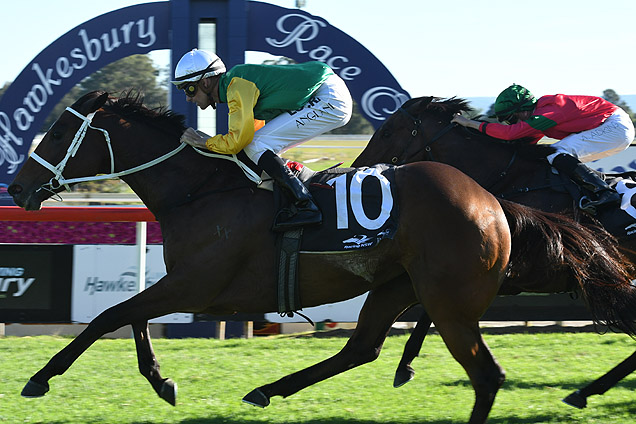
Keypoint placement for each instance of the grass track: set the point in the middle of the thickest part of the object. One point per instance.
(103, 386)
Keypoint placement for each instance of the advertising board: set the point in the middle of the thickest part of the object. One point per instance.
(35, 283)
(104, 276)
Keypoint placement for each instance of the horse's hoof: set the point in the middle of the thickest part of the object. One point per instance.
(576, 400)
(33, 389)
(403, 376)
(168, 392)
(256, 398)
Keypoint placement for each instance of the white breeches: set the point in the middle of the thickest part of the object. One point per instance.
(329, 108)
(612, 136)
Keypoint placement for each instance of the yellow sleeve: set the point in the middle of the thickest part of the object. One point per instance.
(242, 96)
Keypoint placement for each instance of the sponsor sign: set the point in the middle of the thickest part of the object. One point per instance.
(35, 283)
(304, 37)
(75, 55)
(104, 276)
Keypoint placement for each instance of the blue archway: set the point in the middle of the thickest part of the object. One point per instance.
(240, 26)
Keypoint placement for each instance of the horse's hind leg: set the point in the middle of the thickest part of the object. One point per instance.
(148, 365)
(404, 372)
(467, 346)
(578, 399)
(380, 310)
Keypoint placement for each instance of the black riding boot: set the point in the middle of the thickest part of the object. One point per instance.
(588, 179)
(303, 211)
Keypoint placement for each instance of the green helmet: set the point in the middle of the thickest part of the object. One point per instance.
(512, 100)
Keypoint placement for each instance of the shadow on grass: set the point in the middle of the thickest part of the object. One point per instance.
(511, 384)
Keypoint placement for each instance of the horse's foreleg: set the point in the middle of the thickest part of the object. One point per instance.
(404, 372)
(148, 304)
(380, 310)
(578, 399)
(148, 365)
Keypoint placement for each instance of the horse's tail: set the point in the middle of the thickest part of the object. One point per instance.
(555, 248)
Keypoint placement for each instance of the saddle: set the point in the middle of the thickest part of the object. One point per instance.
(358, 209)
(619, 220)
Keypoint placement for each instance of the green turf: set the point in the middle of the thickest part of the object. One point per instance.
(104, 386)
(319, 158)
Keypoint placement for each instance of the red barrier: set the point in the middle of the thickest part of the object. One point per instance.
(76, 213)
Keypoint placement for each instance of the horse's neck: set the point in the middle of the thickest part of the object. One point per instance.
(482, 161)
(177, 179)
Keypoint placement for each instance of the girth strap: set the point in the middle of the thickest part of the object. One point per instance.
(288, 244)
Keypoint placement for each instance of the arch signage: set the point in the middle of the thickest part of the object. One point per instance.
(241, 25)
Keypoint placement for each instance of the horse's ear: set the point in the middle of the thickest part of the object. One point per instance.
(90, 102)
(98, 101)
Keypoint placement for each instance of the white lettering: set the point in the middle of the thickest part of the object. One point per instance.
(11, 272)
(36, 99)
(63, 67)
(7, 151)
(46, 79)
(116, 43)
(22, 119)
(22, 284)
(125, 29)
(91, 46)
(150, 34)
(372, 95)
(307, 30)
(76, 53)
(321, 53)
(33, 101)
(350, 72)
(5, 125)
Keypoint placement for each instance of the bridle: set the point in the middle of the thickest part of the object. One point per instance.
(58, 180)
(426, 146)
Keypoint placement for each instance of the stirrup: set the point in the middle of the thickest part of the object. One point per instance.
(590, 206)
(287, 219)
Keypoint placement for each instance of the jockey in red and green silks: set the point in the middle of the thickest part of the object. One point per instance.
(587, 127)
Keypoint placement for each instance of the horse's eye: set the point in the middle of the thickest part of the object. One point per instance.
(57, 135)
(386, 133)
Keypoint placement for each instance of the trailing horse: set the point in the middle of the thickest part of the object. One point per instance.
(421, 130)
(445, 220)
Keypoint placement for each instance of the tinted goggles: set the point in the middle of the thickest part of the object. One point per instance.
(190, 88)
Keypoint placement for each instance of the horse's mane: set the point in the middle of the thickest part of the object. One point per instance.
(445, 108)
(130, 105)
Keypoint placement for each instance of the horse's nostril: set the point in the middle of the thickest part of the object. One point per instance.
(14, 189)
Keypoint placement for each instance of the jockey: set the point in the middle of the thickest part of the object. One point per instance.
(587, 127)
(298, 102)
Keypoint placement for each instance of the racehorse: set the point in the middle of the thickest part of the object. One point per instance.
(420, 130)
(446, 219)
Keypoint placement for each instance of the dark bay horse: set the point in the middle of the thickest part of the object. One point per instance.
(421, 131)
(446, 219)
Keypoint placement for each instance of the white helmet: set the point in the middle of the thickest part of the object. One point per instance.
(196, 65)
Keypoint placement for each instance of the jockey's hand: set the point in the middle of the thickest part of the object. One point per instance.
(194, 138)
(465, 122)
(459, 119)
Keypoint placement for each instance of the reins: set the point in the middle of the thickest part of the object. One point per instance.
(58, 180)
